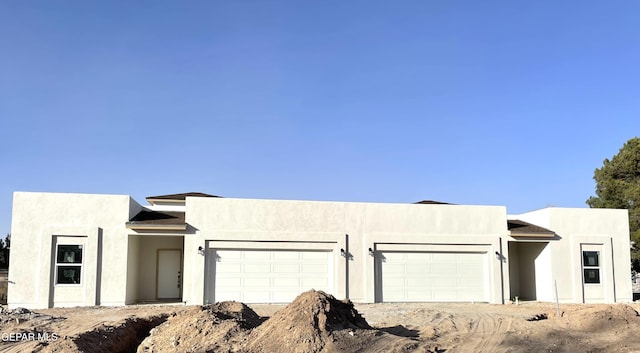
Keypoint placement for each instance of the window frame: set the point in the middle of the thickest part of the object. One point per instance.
(591, 268)
(79, 265)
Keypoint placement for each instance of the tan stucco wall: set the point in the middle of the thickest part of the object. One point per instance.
(39, 217)
(133, 269)
(575, 226)
(239, 223)
(120, 265)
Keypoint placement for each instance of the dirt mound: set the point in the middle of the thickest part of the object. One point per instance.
(317, 322)
(232, 310)
(581, 328)
(314, 323)
(601, 317)
(217, 327)
(319, 311)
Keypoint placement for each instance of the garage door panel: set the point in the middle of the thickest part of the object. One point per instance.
(257, 282)
(231, 268)
(416, 295)
(253, 296)
(319, 268)
(286, 268)
(394, 256)
(447, 282)
(394, 268)
(256, 268)
(314, 255)
(433, 276)
(315, 283)
(415, 257)
(229, 281)
(418, 269)
(466, 296)
(267, 276)
(444, 268)
(470, 270)
(393, 282)
(445, 295)
(472, 282)
(286, 282)
(286, 255)
(395, 293)
(283, 296)
(227, 255)
(444, 257)
(252, 255)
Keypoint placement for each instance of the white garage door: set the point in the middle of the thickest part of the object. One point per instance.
(433, 276)
(276, 276)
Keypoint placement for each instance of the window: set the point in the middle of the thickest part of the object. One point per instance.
(591, 266)
(69, 264)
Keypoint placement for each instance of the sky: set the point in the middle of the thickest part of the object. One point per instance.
(471, 102)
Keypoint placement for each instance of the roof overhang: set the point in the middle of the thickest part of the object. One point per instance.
(171, 227)
(158, 221)
(522, 229)
(175, 198)
(153, 201)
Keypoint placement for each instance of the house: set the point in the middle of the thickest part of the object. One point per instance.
(86, 249)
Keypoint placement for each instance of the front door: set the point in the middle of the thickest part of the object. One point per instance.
(168, 274)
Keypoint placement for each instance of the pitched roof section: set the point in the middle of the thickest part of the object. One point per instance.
(180, 197)
(154, 220)
(431, 202)
(518, 228)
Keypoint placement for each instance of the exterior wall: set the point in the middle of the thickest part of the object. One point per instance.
(119, 264)
(38, 218)
(241, 223)
(514, 271)
(544, 280)
(576, 227)
(133, 269)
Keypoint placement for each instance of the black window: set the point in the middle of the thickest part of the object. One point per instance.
(69, 264)
(591, 266)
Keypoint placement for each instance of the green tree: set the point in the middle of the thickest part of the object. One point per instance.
(4, 251)
(618, 186)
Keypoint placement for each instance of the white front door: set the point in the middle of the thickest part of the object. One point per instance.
(168, 273)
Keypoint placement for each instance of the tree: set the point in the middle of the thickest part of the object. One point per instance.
(4, 251)
(618, 186)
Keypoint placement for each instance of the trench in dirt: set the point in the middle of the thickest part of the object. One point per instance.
(124, 338)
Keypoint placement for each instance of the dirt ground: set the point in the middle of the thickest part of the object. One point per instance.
(316, 322)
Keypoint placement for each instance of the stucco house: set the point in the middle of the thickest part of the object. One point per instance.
(86, 249)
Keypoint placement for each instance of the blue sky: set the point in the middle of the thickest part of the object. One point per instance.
(493, 102)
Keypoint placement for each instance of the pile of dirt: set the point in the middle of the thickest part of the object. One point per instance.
(315, 322)
(580, 328)
(217, 327)
(308, 324)
(601, 317)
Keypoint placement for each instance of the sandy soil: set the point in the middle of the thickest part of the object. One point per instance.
(316, 322)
